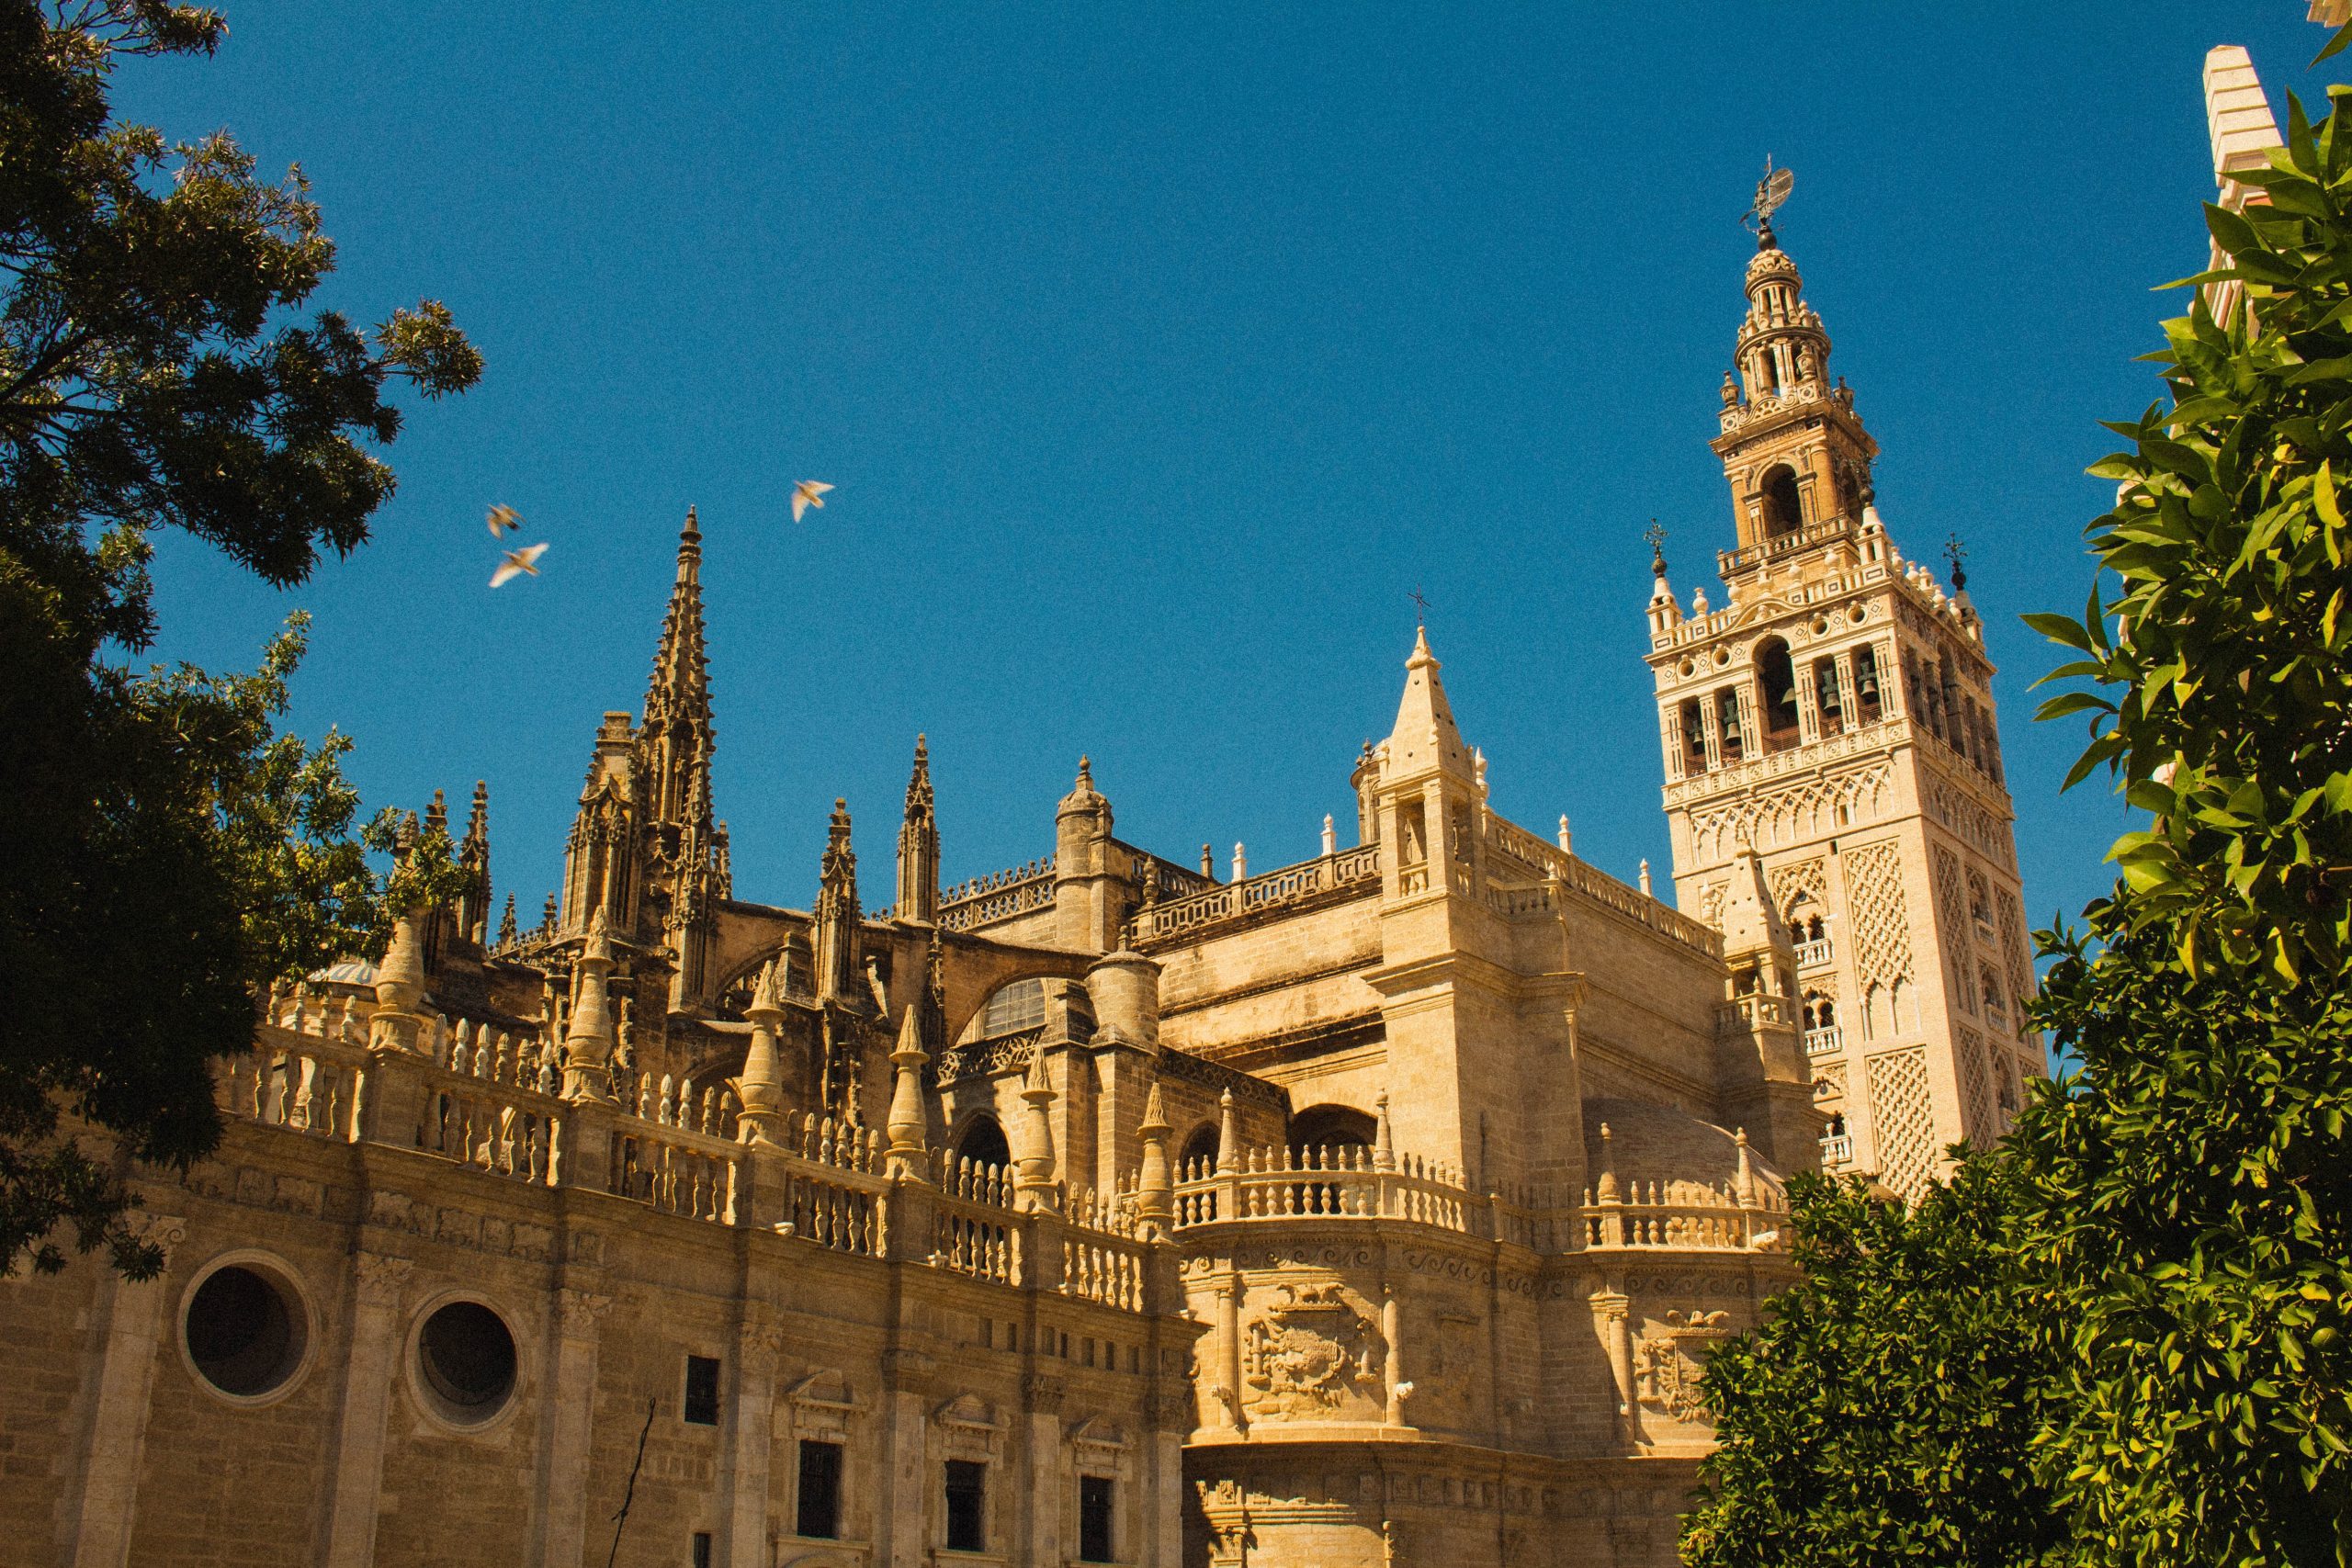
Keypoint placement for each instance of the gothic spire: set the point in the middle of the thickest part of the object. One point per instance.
(473, 857)
(919, 845)
(837, 915)
(677, 731)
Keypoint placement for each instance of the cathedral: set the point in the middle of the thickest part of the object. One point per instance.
(1377, 1209)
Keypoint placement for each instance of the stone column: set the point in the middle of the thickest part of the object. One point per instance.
(1041, 1469)
(902, 1513)
(1160, 1518)
(1229, 1327)
(358, 1460)
(568, 1431)
(117, 1433)
(749, 1441)
(1710, 727)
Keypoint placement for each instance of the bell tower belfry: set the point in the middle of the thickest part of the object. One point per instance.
(1832, 722)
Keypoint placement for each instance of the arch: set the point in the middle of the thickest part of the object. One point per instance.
(1014, 1006)
(1332, 1127)
(1200, 1149)
(1820, 1011)
(1776, 697)
(982, 1142)
(1784, 507)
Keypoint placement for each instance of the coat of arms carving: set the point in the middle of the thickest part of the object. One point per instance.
(1667, 1364)
(1310, 1353)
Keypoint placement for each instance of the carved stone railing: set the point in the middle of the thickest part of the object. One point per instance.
(1282, 1187)
(1684, 1217)
(1823, 1041)
(1760, 1010)
(1597, 886)
(1814, 954)
(1000, 896)
(1348, 870)
(1837, 1149)
(484, 1102)
(982, 1059)
(1756, 554)
(1737, 778)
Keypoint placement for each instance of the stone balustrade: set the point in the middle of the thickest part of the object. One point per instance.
(999, 895)
(1347, 870)
(485, 1101)
(1278, 1186)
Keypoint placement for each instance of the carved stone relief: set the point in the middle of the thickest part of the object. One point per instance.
(1310, 1355)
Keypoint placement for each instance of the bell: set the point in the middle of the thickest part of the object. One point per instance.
(1869, 682)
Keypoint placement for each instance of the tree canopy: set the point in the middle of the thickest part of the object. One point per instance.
(163, 853)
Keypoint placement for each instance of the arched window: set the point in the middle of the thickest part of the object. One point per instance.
(1783, 512)
(1200, 1153)
(983, 1142)
(1332, 1127)
(1013, 1008)
(1777, 702)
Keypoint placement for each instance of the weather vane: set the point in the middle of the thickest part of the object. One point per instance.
(1655, 535)
(1771, 191)
(1957, 553)
(1420, 607)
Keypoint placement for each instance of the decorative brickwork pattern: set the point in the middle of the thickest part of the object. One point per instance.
(1882, 921)
(1804, 879)
(1899, 1111)
(1802, 810)
(1975, 1091)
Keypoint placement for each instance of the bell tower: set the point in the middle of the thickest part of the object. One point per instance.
(1832, 723)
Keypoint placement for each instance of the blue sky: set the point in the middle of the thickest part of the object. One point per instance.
(1158, 354)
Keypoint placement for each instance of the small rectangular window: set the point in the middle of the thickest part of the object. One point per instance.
(702, 1549)
(966, 1505)
(701, 1406)
(1095, 1519)
(821, 1490)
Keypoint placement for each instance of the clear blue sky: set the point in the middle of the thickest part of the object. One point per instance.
(1158, 352)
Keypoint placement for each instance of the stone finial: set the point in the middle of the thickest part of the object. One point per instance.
(1240, 862)
(1384, 1139)
(1605, 1186)
(399, 979)
(1037, 1181)
(1567, 843)
(1743, 1185)
(1645, 879)
(759, 1088)
(1155, 1193)
(910, 1154)
(588, 1046)
(1228, 1141)
(1208, 864)
(1330, 837)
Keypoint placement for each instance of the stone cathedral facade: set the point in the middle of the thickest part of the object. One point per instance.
(1376, 1209)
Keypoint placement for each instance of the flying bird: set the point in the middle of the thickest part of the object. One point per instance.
(806, 494)
(501, 518)
(520, 560)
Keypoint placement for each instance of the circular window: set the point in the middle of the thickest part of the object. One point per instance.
(467, 1358)
(1723, 656)
(245, 1331)
(1689, 668)
(1859, 613)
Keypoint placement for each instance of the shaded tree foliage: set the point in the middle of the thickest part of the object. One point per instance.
(164, 853)
(1886, 1410)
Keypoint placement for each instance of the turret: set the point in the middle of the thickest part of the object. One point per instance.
(473, 859)
(1428, 788)
(839, 933)
(1087, 907)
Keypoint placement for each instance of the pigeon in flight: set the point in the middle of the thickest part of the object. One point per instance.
(522, 560)
(806, 494)
(503, 518)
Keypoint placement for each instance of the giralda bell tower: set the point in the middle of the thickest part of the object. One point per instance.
(1834, 716)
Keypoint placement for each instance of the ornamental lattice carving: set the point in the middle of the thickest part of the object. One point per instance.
(2013, 947)
(1804, 879)
(1901, 1117)
(1952, 900)
(1309, 1353)
(1710, 903)
(1803, 810)
(1881, 923)
(1829, 1081)
(1667, 1364)
(1949, 805)
(1977, 1094)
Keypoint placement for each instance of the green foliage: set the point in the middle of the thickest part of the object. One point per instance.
(1884, 1413)
(2229, 688)
(163, 853)
(2188, 1206)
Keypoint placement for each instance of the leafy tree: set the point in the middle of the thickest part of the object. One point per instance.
(1885, 1411)
(163, 853)
(2188, 1207)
